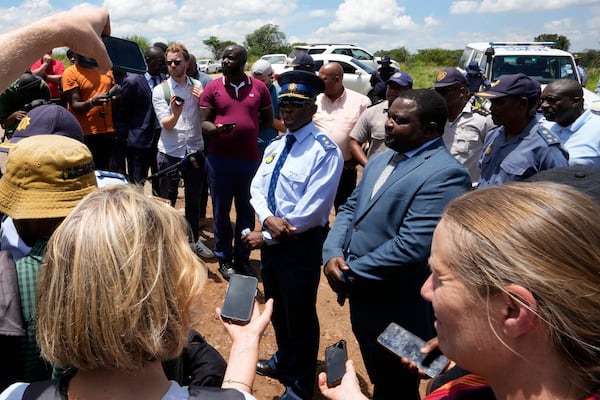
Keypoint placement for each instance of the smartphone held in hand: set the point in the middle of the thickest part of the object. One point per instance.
(239, 299)
(335, 359)
(407, 345)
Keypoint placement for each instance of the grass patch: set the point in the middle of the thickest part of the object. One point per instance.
(423, 74)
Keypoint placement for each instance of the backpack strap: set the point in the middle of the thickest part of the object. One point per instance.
(43, 390)
(167, 90)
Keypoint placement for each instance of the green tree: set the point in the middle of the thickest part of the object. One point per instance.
(442, 57)
(562, 42)
(216, 46)
(265, 40)
(399, 54)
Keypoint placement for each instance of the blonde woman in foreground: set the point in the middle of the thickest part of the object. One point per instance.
(515, 287)
(118, 293)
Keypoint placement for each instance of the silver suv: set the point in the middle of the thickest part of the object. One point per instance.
(351, 50)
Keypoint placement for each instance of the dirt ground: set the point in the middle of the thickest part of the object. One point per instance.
(334, 320)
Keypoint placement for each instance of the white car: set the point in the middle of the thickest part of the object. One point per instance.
(538, 60)
(278, 63)
(357, 75)
(351, 50)
(208, 66)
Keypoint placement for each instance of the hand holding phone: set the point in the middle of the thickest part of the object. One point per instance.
(336, 356)
(239, 299)
(405, 344)
(179, 100)
(125, 55)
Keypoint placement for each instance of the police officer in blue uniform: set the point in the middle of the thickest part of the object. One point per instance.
(519, 147)
(292, 194)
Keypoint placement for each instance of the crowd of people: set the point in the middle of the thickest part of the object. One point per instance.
(452, 231)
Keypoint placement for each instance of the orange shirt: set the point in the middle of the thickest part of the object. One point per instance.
(90, 82)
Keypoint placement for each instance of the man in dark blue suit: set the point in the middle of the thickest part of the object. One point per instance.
(143, 128)
(376, 252)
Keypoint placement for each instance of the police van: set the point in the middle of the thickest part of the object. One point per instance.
(538, 60)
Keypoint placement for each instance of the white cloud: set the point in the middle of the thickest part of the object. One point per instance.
(365, 21)
(430, 22)
(28, 10)
(463, 7)
(495, 6)
(318, 13)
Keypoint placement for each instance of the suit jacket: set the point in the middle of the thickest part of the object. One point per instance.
(138, 113)
(386, 240)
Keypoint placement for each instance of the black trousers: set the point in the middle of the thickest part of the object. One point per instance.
(291, 271)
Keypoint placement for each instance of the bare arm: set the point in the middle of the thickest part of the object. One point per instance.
(79, 29)
(207, 116)
(357, 152)
(80, 106)
(265, 118)
(241, 368)
(169, 122)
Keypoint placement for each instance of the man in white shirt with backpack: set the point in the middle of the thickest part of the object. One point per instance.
(176, 106)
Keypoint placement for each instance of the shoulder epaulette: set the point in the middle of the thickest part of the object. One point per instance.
(325, 142)
(480, 109)
(276, 138)
(548, 136)
(376, 102)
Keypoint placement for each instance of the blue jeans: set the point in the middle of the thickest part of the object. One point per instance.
(229, 181)
(169, 184)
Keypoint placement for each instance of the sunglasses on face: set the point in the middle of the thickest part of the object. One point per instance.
(293, 103)
(176, 62)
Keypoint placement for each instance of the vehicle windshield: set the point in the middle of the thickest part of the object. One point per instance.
(203, 62)
(275, 59)
(364, 66)
(543, 69)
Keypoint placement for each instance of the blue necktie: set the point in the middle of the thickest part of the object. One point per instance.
(290, 139)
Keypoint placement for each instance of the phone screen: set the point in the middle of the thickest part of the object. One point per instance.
(239, 299)
(335, 359)
(125, 54)
(406, 344)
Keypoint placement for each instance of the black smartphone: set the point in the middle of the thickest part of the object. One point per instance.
(406, 344)
(335, 360)
(179, 101)
(125, 55)
(229, 125)
(239, 299)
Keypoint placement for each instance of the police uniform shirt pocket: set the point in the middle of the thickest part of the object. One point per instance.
(293, 180)
(513, 169)
(466, 140)
(378, 133)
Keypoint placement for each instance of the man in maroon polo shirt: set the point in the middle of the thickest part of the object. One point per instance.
(233, 110)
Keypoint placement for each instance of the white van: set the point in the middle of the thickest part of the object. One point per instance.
(538, 60)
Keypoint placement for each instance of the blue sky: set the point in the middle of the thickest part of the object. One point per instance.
(372, 24)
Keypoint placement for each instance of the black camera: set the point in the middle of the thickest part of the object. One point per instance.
(179, 101)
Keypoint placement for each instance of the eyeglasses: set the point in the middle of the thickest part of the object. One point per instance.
(176, 62)
(293, 103)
